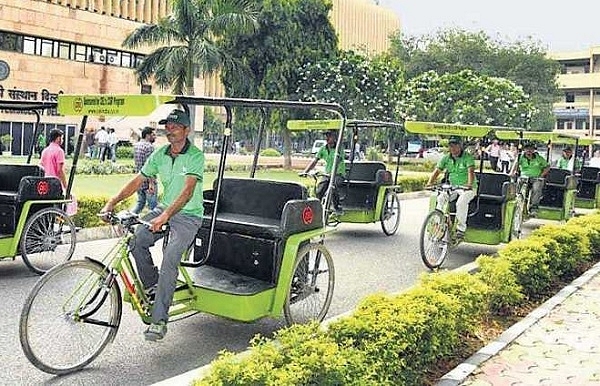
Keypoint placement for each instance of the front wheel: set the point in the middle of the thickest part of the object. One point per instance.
(517, 220)
(434, 240)
(311, 288)
(390, 213)
(70, 316)
(48, 239)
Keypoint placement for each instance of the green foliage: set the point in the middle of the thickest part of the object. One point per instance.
(373, 154)
(270, 152)
(125, 152)
(499, 277)
(591, 224)
(88, 208)
(568, 245)
(97, 167)
(523, 62)
(188, 37)
(412, 184)
(466, 98)
(418, 165)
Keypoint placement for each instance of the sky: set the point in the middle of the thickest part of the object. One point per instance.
(560, 26)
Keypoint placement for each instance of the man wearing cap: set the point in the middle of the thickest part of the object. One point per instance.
(536, 168)
(327, 153)
(460, 167)
(567, 161)
(180, 167)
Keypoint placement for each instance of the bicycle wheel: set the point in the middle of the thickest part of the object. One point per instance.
(311, 287)
(390, 214)
(517, 220)
(48, 239)
(70, 316)
(434, 240)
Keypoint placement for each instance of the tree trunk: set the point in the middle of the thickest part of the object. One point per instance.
(287, 149)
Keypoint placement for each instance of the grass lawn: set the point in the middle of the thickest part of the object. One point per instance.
(108, 185)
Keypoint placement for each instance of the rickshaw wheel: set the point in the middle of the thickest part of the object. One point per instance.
(390, 214)
(517, 220)
(69, 317)
(434, 240)
(311, 287)
(48, 239)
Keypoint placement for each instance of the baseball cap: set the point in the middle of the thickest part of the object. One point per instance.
(331, 132)
(454, 141)
(529, 144)
(176, 116)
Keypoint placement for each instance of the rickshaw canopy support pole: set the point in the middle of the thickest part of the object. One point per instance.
(36, 133)
(76, 156)
(261, 130)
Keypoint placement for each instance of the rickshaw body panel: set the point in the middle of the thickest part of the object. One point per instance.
(559, 214)
(364, 215)
(9, 245)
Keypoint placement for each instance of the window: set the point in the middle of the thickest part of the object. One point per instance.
(46, 47)
(28, 45)
(113, 57)
(569, 97)
(10, 42)
(597, 123)
(98, 55)
(581, 124)
(81, 53)
(64, 51)
(146, 89)
(125, 59)
(568, 125)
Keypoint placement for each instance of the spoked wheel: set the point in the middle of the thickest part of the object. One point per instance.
(434, 240)
(48, 239)
(311, 288)
(72, 313)
(390, 214)
(517, 220)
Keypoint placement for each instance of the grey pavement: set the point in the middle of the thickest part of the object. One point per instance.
(556, 344)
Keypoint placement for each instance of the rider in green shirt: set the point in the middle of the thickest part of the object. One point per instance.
(460, 167)
(536, 168)
(566, 161)
(327, 153)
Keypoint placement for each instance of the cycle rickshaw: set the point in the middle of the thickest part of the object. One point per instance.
(491, 213)
(369, 192)
(588, 189)
(560, 185)
(259, 253)
(33, 223)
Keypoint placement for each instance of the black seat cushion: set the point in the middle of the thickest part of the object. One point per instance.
(11, 175)
(494, 187)
(590, 174)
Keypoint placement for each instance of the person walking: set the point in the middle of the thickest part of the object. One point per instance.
(112, 144)
(102, 143)
(505, 158)
(493, 152)
(52, 158)
(147, 193)
(180, 168)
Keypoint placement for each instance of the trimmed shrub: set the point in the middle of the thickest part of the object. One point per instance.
(591, 225)
(88, 208)
(97, 167)
(504, 292)
(125, 152)
(270, 152)
(373, 154)
(412, 184)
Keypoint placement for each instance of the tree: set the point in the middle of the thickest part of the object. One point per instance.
(368, 88)
(189, 37)
(449, 51)
(291, 33)
(466, 98)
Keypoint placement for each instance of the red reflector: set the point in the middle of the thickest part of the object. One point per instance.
(307, 215)
(43, 188)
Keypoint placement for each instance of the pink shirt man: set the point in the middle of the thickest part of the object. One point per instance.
(53, 161)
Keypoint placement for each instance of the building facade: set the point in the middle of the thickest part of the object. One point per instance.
(49, 47)
(578, 110)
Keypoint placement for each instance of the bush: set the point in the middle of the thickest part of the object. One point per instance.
(102, 168)
(373, 154)
(505, 292)
(412, 184)
(591, 224)
(88, 208)
(124, 152)
(270, 152)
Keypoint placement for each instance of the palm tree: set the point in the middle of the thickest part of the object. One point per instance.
(189, 37)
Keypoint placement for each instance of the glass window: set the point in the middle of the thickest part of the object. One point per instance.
(10, 41)
(28, 45)
(568, 125)
(99, 55)
(569, 97)
(81, 53)
(113, 57)
(597, 123)
(581, 124)
(46, 47)
(64, 50)
(138, 60)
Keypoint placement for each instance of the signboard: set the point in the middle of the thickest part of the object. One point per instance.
(325, 124)
(430, 128)
(110, 105)
(572, 113)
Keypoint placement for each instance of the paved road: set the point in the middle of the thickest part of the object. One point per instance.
(366, 261)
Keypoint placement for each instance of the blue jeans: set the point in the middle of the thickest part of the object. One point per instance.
(145, 197)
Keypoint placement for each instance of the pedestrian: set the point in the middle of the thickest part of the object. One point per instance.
(102, 143)
(493, 152)
(40, 144)
(89, 142)
(180, 166)
(52, 158)
(148, 192)
(505, 158)
(595, 160)
(112, 144)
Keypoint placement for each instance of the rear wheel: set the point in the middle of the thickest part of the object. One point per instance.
(311, 287)
(390, 213)
(434, 240)
(48, 239)
(69, 317)
(517, 220)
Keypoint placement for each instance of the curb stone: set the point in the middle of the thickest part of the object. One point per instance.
(460, 373)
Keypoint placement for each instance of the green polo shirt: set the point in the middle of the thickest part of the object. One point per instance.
(329, 155)
(532, 167)
(172, 172)
(458, 168)
(563, 163)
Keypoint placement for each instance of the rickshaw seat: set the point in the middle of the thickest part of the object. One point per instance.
(557, 182)
(588, 180)
(362, 183)
(10, 178)
(495, 187)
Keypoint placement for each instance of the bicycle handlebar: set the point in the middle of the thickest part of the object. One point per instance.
(127, 219)
(447, 187)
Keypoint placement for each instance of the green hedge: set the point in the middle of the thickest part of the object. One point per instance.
(392, 340)
(88, 208)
